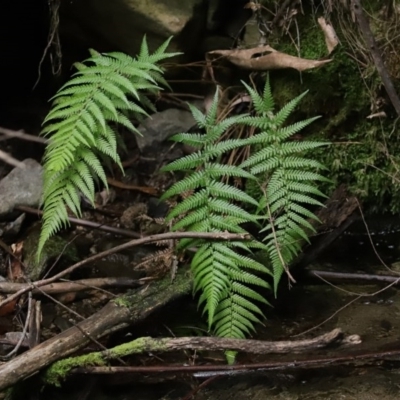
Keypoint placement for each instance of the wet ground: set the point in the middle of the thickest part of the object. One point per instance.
(376, 319)
(308, 309)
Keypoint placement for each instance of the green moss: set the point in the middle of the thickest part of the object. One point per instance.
(335, 89)
(55, 374)
(364, 152)
(366, 159)
(53, 249)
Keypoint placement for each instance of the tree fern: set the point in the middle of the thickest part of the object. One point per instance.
(222, 274)
(287, 176)
(105, 92)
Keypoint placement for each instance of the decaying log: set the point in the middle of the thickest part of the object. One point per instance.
(117, 314)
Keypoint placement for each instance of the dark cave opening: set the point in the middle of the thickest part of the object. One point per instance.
(24, 27)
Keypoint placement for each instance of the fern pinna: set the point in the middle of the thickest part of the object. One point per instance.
(286, 176)
(105, 91)
(221, 273)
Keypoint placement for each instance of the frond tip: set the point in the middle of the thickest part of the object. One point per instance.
(221, 273)
(104, 91)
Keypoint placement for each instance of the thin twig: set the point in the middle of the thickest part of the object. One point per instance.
(359, 296)
(23, 335)
(205, 371)
(10, 160)
(74, 286)
(132, 243)
(88, 224)
(22, 135)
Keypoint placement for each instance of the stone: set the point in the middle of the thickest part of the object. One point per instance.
(160, 126)
(121, 24)
(22, 186)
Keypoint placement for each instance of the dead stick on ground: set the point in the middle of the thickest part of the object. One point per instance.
(73, 286)
(117, 314)
(375, 53)
(206, 371)
(116, 249)
(148, 344)
(348, 277)
(85, 223)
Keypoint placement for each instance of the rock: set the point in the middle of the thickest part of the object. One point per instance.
(22, 186)
(121, 24)
(162, 125)
(11, 229)
(56, 248)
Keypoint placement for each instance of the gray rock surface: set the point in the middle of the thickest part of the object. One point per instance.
(22, 186)
(122, 23)
(162, 125)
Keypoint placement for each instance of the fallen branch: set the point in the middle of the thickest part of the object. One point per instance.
(85, 223)
(117, 314)
(152, 345)
(350, 277)
(72, 286)
(206, 371)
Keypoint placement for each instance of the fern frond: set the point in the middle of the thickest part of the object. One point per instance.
(215, 206)
(289, 178)
(98, 94)
(226, 274)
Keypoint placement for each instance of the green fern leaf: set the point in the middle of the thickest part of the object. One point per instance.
(79, 126)
(226, 274)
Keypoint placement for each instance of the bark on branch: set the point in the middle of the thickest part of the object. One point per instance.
(117, 314)
(336, 337)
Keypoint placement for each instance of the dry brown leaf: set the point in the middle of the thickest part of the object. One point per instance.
(331, 38)
(266, 58)
(16, 271)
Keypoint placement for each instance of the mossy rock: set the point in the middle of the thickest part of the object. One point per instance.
(55, 247)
